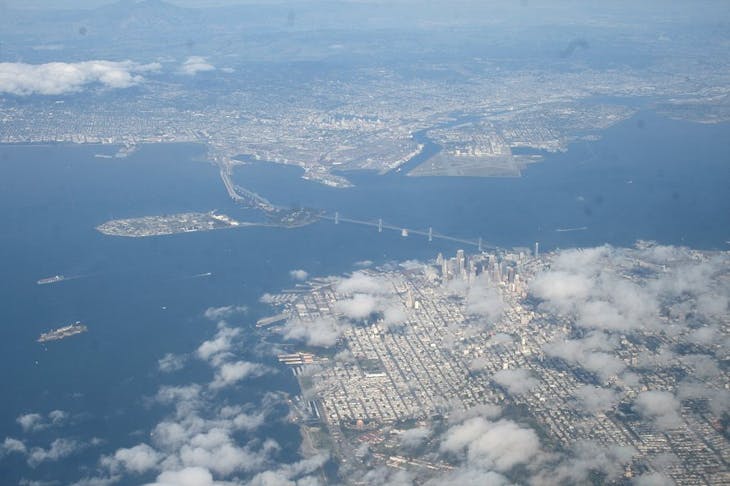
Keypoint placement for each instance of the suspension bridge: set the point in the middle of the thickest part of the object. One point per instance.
(430, 234)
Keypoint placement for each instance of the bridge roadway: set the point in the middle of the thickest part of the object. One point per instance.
(256, 201)
(230, 188)
(484, 245)
(243, 195)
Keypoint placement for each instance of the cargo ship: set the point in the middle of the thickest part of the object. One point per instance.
(63, 332)
(50, 280)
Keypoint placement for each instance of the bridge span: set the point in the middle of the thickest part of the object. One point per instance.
(429, 233)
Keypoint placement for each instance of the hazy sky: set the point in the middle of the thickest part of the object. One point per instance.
(67, 4)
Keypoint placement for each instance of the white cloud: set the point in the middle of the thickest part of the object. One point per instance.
(517, 381)
(583, 283)
(196, 64)
(470, 477)
(57, 417)
(295, 474)
(718, 398)
(224, 312)
(594, 353)
(361, 282)
(138, 459)
(595, 399)
(11, 445)
(359, 306)
(230, 373)
(485, 300)
(202, 439)
(31, 422)
(190, 476)
(217, 349)
(222, 456)
(385, 475)
(585, 459)
(413, 438)
(561, 288)
(97, 481)
(394, 314)
(267, 298)
(241, 420)
(59, 449)
(299, 274)
(704, 335)
(56, 78)
(660, 406)
(319, 332)
(179, 394)
(485, 410)
(497, 445)
(701, 365)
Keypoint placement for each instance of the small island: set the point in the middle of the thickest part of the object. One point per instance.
(169, 224)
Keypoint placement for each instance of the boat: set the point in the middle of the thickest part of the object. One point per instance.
(50, 280)
(63, 332)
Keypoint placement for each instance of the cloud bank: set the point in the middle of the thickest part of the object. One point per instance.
(55, 78)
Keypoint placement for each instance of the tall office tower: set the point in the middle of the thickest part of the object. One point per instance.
(511, 275)
(460, 261)
(439, 259)
(537, 249)
(445, 270)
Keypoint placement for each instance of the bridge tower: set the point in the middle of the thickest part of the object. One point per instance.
(380, 225)
(480, 243)
(430, 234)
(337, 217)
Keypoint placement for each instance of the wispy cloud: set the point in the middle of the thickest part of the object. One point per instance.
(32, 422)
(230, 373)
(224, 312)
(196, 64)
(170, 363)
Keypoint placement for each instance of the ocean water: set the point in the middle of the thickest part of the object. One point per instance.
(647, 178)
